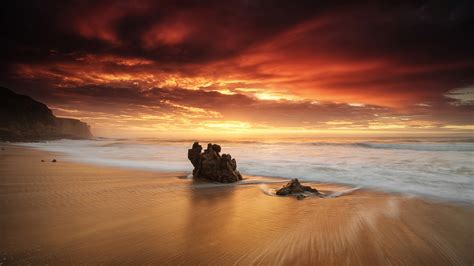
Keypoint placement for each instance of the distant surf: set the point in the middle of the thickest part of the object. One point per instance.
(441, 168)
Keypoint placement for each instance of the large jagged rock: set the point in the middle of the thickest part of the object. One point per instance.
(294, 187)
(213, 166)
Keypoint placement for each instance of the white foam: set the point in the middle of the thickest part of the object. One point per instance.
(267, 190)
(342, 193)
(443, 170)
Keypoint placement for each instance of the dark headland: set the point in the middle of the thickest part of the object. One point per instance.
(24, 119)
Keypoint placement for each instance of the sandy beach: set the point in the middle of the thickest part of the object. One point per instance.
(71, 213)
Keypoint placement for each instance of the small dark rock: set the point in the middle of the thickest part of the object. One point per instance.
(42, 161)
(295, 187)
(54, 160)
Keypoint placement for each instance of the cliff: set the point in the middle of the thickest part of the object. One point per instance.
(24, 119)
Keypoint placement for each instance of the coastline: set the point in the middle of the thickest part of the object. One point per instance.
(73, 213)
(439, 171)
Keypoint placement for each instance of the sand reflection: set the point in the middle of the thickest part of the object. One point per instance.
(67, 213)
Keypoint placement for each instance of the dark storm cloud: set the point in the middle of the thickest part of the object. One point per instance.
(31, 29)
(398, 58)
(426, 30)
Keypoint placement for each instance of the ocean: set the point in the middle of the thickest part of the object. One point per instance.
(439, 168)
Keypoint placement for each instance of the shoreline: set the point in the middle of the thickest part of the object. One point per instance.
(67, 212)
(278, 179)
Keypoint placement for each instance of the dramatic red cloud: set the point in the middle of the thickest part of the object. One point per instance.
(248, 66)
(101, 21)
(170, 33)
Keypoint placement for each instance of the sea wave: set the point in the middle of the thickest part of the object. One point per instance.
(420, 146)
(436, 169)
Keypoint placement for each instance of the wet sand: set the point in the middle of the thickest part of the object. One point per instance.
(70, 213)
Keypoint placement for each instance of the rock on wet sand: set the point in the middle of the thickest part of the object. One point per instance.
(294, 187)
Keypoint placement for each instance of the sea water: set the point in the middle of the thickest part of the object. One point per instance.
(441, 168)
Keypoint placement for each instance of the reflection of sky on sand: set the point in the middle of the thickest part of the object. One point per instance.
(93, 215)
(207, 215)
(389, 228)
(239, 224)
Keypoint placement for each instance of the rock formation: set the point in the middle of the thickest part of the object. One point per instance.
(24, 119)
(213, 166)
(294, 187)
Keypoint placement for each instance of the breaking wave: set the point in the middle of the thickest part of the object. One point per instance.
(442, 169)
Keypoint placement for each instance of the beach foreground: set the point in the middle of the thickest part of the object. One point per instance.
(64, 212)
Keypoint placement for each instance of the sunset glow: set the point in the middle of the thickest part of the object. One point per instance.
(143, 68)
(237, 132)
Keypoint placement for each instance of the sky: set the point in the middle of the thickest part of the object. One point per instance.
(245, 68)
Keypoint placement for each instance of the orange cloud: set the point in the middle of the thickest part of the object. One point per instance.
(246, 66)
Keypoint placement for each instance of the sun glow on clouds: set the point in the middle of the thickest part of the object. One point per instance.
(181, 113)
(271, 95)
(227, 125)
(239, 67)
